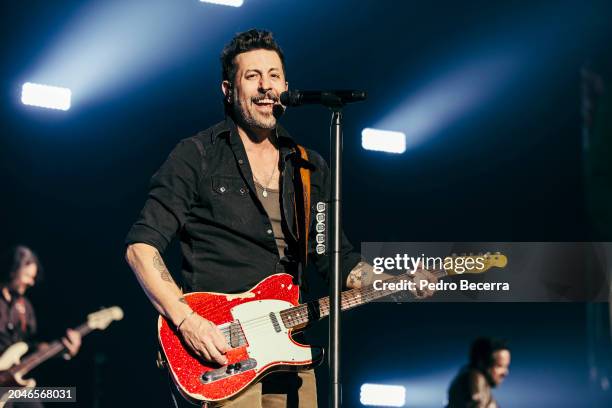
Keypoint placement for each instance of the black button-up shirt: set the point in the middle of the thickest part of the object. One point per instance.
(204, 194)
(17, 320)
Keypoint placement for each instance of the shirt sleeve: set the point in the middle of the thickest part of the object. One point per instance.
(172, 191)
(350, 258)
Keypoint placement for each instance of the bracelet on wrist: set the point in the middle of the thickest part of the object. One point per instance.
(184, 319)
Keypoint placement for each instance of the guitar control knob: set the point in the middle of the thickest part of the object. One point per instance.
(230, 369)
(237, 366)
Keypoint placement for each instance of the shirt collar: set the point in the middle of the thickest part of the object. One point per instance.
(287, 145)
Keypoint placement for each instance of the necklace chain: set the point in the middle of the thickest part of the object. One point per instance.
(265, 186)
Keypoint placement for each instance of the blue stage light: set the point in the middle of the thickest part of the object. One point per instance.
(232, 3)
(113, 46)
(45, 96)
(383, 140)
(451, 94)
(381, 395)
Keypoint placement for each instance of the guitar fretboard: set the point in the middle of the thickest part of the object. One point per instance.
(38, 357)
(302, 315)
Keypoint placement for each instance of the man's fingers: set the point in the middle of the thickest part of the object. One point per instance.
(205, 354)
(220, 343)
(214, 353)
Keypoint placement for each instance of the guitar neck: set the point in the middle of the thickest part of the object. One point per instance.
(302, 315)
(40, 356)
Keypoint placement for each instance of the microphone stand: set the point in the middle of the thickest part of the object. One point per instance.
(334, 101)
(335, 104)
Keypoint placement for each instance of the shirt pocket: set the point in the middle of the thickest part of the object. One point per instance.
(231, 202)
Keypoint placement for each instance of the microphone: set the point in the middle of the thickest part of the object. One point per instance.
(333, 98)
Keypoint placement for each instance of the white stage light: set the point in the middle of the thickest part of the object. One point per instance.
(383, 140)
(381, 395)
(232, 3)
(45, 96)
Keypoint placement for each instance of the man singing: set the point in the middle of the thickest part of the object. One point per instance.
(232, 195)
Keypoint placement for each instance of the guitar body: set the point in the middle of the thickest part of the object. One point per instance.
(260, 342)
(12, 368)
(8, 378)
(11, 357)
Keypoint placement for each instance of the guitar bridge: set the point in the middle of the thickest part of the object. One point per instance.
(228, 370)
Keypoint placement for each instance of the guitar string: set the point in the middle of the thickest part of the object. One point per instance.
(439, 273)
(350, 299)
(364, 291)
(369, 290)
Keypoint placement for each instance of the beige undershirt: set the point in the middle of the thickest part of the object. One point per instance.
(271, 204)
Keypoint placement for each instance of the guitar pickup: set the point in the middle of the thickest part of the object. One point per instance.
(228, 370)
(236, 336)
(275, 323)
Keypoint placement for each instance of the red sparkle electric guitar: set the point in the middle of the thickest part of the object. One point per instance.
(258, 325)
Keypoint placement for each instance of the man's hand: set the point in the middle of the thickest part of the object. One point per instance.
(420, 276)
(204, 339)
(72, 342)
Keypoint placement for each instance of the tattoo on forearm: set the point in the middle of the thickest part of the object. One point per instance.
(158, 263)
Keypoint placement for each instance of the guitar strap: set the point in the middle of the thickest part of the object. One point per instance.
(303, 234)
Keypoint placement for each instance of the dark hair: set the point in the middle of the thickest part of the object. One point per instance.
(482, 349)
(15, 258)
(250, 40)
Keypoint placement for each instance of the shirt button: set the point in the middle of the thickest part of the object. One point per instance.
(269, 231)
(240, 161)
(222, 189)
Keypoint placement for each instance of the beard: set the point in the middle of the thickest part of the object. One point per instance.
(246, 111)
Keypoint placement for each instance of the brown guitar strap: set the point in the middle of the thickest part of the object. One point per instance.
(305, 175)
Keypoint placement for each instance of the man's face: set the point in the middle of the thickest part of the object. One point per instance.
(500, 368)
(257, 86)
(25, 277)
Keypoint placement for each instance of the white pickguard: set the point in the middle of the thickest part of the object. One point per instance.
(266, 345)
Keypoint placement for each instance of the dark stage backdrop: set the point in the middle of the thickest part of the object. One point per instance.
(507, 167)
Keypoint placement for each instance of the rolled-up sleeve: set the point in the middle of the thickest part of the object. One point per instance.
(350, 258)
(172, 191)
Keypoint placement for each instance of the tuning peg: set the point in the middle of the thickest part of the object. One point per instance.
(497, 253)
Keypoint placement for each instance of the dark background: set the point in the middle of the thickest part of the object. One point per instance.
(507, 167)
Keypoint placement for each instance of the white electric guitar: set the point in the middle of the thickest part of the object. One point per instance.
(13, 369)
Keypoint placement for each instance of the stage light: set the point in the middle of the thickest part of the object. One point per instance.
(45, 96)
(383, 140)
(109, 47)
(232, 3)
(383, 395)
(450, 94)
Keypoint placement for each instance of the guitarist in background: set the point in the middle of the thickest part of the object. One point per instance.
(234, 196)
(20, 269)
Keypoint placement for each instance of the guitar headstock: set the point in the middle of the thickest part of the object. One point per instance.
(102, 318)
(478, 263)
